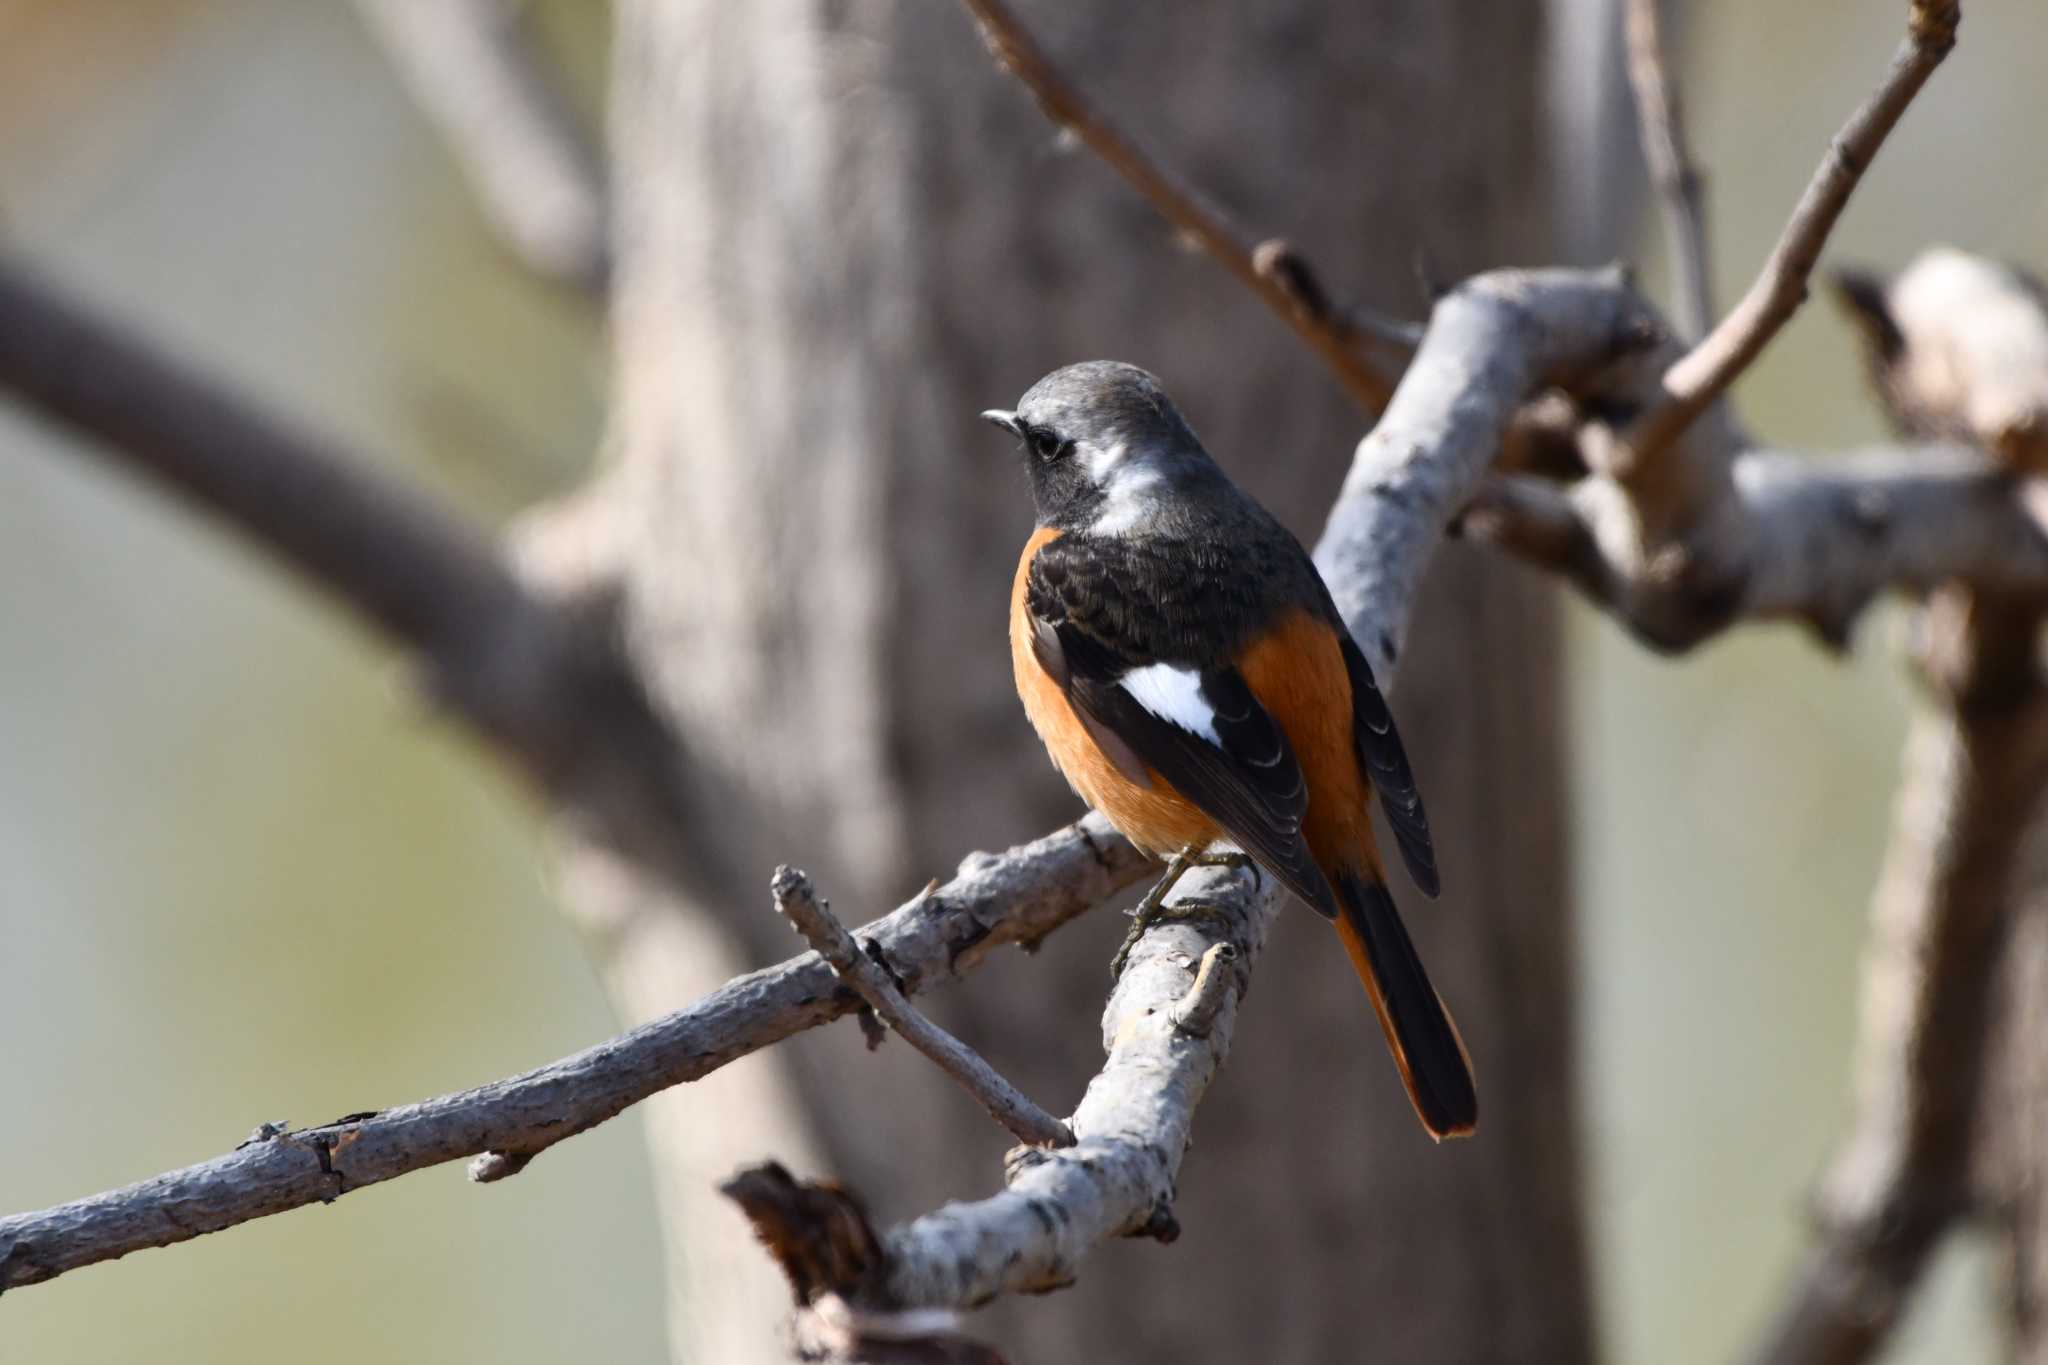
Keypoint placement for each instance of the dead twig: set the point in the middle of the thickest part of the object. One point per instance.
(1272, 269)
(1677, 179)
(1780, 287)
(1009, 1106)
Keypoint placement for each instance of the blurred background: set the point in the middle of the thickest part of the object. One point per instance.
(245, 877)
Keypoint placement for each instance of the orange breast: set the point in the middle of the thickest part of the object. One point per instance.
(1151, 815)
(1297, 672)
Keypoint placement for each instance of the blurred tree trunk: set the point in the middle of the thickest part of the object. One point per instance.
(841, 232)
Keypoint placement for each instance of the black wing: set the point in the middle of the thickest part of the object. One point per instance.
(1386, 763)
(1248, 782)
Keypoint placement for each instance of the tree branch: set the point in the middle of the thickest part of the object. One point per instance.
(1709, 368)
(1813, 539)
(1015, 897)
(509, 128)
(1974, 762)
(1008, 1105)
(1346, 339)
(1672, 170)
(544, 681)
(1959, 347)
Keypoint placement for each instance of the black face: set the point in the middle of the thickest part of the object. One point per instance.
(1061, 488)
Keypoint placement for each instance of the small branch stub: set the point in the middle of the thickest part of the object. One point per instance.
(1195, 1013)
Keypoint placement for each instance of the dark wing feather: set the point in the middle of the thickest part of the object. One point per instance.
(1386, 763)
(1250, 785)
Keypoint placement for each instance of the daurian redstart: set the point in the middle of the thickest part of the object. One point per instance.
(1181, 658)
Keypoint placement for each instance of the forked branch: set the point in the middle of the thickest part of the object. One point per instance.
(1009, 1106)
(1709, 368)
(1016, 897)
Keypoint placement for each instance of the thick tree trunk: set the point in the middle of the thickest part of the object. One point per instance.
(841, 232)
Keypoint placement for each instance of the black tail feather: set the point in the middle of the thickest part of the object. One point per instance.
(1419, 1030)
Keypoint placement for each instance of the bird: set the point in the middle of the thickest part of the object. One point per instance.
(1191, 677)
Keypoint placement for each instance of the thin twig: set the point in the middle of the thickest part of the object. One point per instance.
(1710, 367)
(1009, 1106)
(1132, 1128)
(1014, 897)
(1660, 125)
(533, 169)
(1272, 269)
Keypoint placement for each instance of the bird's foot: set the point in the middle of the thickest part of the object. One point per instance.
(1181, 912)
(1232, 859)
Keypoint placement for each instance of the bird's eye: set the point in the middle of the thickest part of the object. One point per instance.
(1046, 443)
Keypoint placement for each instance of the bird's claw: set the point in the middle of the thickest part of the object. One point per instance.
(1181, 912)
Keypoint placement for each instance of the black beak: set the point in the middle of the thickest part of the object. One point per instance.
(1006, 420)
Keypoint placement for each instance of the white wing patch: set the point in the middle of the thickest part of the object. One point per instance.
(1175, 696)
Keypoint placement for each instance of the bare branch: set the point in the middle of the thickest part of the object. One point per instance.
(1813, 539)
(1960, 351)
(1273, 270)
(1492, 344)
(1677, 179)
(1710, 367)
(1131, 1129)
(1960, 347)
(509, 128)
(1008, 1105)
(545, 682)
(1014, 897)
(1973, 767)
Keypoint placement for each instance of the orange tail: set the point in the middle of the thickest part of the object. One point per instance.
(1426, 1046)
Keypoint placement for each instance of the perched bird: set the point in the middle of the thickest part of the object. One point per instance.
(1181, 658)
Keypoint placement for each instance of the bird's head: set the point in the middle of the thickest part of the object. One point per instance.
(1103, 446)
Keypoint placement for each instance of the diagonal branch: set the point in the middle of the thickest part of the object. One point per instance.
(1008, 1105)
(1015, 897)
(1677, 179)
(545, 682)
(509, 128)
(1709, 368)
(1357, 348)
